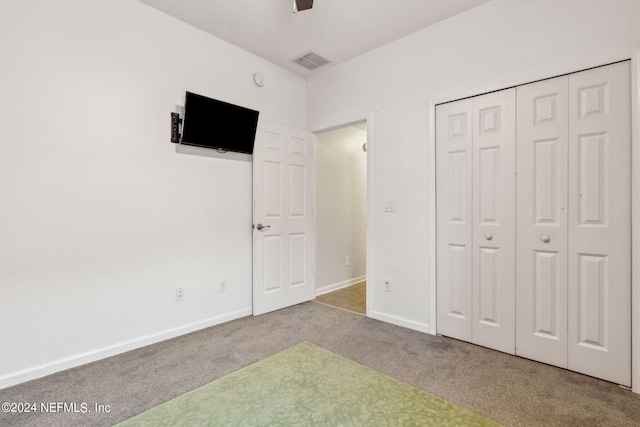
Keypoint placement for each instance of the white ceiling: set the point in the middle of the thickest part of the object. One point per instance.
(338, 30)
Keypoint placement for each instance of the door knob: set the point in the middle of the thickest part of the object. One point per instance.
(261, 227)
(545, 238)
(488, 236)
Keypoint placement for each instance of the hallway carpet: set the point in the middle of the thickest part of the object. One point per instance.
(352, 298)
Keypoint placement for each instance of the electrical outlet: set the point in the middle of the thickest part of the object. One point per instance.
(223, 286)
(346, 260)
(179, 294)
(387, 285)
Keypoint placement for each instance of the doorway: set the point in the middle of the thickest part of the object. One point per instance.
(341, 217)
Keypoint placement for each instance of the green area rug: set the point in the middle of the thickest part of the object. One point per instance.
(306, 385)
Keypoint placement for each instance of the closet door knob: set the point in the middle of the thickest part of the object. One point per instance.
(545, 238)
(488, 236)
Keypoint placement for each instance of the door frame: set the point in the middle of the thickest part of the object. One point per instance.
(356, 119)
(554, 70)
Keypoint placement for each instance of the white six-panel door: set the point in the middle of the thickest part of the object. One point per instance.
(600, 222)
(283, 244)
(494, 157)
(567, 268)
(541, 282)
(454, 154)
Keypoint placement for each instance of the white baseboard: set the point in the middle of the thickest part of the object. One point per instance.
(54, 366)
(334, 287)
(400, 321)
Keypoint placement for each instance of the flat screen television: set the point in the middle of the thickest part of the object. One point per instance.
(216, 124)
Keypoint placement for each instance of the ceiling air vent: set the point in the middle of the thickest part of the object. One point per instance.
(311, 61)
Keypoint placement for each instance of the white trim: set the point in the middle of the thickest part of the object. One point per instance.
(54, 366)
(341, 126)
(340, 285)
(347, 121)
(369, 268)
(635, 221)
(399, 321)
(431, 214)
(553, 70)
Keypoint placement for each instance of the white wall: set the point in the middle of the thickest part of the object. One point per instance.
(495, 42)
(341, 208)
(102, 217)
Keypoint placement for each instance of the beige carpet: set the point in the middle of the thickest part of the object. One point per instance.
(306, 385)
(509, 390)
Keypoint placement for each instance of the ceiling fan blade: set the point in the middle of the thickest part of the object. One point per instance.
(300, 5)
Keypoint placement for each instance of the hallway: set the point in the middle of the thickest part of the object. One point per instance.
(352, 298)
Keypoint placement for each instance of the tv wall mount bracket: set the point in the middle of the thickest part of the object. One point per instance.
(176, 121)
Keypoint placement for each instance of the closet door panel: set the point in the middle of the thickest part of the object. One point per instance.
(541, 237)
(494, 220)
(600, 223)
(454, 219)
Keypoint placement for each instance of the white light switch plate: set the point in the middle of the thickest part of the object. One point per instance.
(389, 205)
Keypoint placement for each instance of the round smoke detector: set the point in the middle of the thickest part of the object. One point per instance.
(258, 79)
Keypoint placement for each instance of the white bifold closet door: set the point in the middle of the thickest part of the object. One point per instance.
(476, 220)
(454, 217)
(539, 263)
(600, 222)
(494, 158)
(542, 189)
(574, 222)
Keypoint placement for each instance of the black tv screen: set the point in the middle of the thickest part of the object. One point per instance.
(216, 124)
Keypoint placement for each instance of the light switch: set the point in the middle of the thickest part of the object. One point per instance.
(389, 205)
